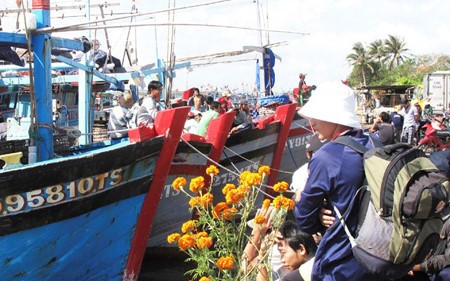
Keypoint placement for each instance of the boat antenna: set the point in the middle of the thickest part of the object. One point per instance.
(170, 54)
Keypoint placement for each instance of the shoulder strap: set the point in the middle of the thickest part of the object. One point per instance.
(353, 144)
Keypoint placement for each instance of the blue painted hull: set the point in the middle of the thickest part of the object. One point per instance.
(80, 225)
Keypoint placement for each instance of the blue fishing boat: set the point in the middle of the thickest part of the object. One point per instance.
(85, 215)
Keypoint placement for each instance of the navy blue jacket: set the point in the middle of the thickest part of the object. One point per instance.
(336, 173)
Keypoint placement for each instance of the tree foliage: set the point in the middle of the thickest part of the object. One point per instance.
(385, 62)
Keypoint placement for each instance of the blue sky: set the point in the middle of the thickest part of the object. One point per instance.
(333, 27)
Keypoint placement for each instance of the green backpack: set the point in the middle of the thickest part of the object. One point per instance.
(400, 208)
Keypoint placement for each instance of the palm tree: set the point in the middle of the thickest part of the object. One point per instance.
(395, 49)
(360, 60)
(376, 51)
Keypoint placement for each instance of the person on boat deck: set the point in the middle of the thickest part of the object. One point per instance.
(197, 101)
(207, 117)
(191, 125)
(118, 123)
(303, 89)
(225, 101)
(150, 104)
(102, 60)
(336, 172)
(243, 118)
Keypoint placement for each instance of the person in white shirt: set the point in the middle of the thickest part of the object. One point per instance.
(410, 118)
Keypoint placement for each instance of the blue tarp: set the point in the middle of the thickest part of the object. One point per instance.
(283, 99)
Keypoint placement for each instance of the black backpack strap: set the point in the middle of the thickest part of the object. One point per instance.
(353, 144)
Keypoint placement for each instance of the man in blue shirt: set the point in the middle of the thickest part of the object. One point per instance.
(336, 173)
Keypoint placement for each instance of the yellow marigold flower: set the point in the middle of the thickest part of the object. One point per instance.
(202, 234)
(204, 278)
(197, 184)
(234, 196)
(230, 213)
(289, 204)
(217, 211)
(195, 201)
(186, 241)
(264, 170)
(206, 200)
(212, 170)
(187, 226)
(253, 179)
(278, 201)
(204, 242)
(225, 263)
(173, 237)
(281, 186)
(260, 219)
(228, 187)
(178, 183)
(244, 175)
(266, 203)
(243, 188)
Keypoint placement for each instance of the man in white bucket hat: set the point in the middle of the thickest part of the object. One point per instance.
(336, 173)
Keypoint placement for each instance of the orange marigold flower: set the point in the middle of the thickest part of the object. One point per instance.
(278, 201)
(187, 226)
(186, 241)
(204, 242)
(289, 204)
(202, 234)
(260, 219)
(204, 278)
(266, 203)
(179, 183)
(173, 237)
(281, 186)
(264, 170)
(234, 196)
(230, 213)
(217, 211)
(206, 200)
(228, 187)
(197, 184)
(195, 201)
(212, 170)
(225, 263)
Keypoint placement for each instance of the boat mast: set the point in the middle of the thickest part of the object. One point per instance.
(42, 74)
(170, 56)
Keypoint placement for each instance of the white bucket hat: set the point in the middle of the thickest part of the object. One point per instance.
(333, 102)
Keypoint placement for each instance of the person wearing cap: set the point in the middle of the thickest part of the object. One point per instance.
(410, 120)
(336, 172)
(243, 118)
(191, 125)
(303, 89)
(118, 122)
(150, 104)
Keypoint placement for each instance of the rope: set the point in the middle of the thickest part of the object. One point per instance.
(228, 170)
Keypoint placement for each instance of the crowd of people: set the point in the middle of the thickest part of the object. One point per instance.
(128, 114)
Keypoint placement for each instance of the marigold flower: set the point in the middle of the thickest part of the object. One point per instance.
(234, 196)
(186, 241)
(206, 200)
(225, 263)
(195, 201)
(173, 237)
(228, 187)
(277, 201)
(244, 175)
(283, 202)
(266, 203)
(204, 242)
(281, 186)
(179, 183)
(229, 213)
(260, 219)
(197, 184)
(212, 170)
(253, 179)
(264, 170)
(217, 211)
(187, 226)
(202, 234)
(204, 278)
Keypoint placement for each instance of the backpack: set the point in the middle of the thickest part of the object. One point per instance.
(400, 208)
